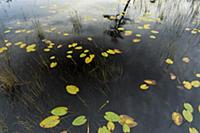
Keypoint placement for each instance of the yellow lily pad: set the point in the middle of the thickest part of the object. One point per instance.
(72, 89)
(50, 122)
(177, 118)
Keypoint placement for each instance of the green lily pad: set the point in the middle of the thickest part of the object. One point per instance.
(103, 130)
(111, 116)
(50, 122)
(188, 107)
(187, 115)
(80, 120)
(59, 111)
(126, 128)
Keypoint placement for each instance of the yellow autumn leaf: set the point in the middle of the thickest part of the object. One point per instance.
(125, 119)
(117, 51)
(69, 56)
(154, 32)
(104, 54)
(53, 64)
(144, 87)
(195, 83)
(146, 26)
(31, 48)
(72, 89)
(89, 59)
(111, 126)
(110, 51)
(177, 118)
(197, 75)
(193, 130)
(136, 40)
(169, 61)
(128, 33)
(187, 85)
(50, 122)
(150, 82)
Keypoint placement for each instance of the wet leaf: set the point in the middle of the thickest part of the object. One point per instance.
(72, 89)
(53, 64)
(199, 108)
(152, 37)
(187, 116)
(146, 26)
(172, 76)
(110, 51)
(79, 121)
(82, 55)
(111, 116)
(59, 111)
(169, 61)
(111, 126)
(89, 39)
(136, 40)
(128, 33)
(125, 119)
(69, 56)
(195, 83)
(154, 32)
(126, 128)
(150, 82)
(31, 48)
(193, 130)
(104, 54)
(177, 118)
(117, 51)
(144, 87)
(187, 85)
(186, 60)
(89, 59)
(188, 107)
(103, 130)
(197, 75)
(50, 122)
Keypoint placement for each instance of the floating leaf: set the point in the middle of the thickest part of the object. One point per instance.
(104, 54)
(103, 130)
(82, 55)
(111, 116)
(187, 85)
(152, 37)
(80, 120)
(154, 32)
(111, 126)
(31, 48)
(146, 26)
(169, 61)
(193, 130)
(197, 75)
(117, 51)
(125, 119)
(50, 122)
(128, 33)
(144, 87)
(72, 89)
(89, 59)
(186, 60)
(199, 108)
(188, 107)
(172, 76)
(136, 40)
(59, 111)
(89, 39)
(177, 118)
(138, 35)
(195, 83)
(53, 64)
(110, 51)
(126, 128)
(150, 82)
(78, 47)
(187, 115)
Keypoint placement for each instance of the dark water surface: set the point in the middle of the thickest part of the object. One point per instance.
(116, 79)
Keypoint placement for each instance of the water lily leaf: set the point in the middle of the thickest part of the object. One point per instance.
(103, 130)
(111, 116)
(82, 55)
(126, 128)
(144, 87)
(53, 64)
(50, 122)
(150, 82)
(80, 120)
(187, 115)
(59, 111)
(169, 61)
(187, 85)
(188, 107)
(89, 59)
(104, 54)
(136, 40)
(193, 130)
(177, 118)
(125, 119)
(72, 89)
(195, 83)
(111, 126)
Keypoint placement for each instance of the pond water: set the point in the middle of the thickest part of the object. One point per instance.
(39, 58)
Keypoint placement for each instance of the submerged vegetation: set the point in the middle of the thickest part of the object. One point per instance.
(100, 66)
